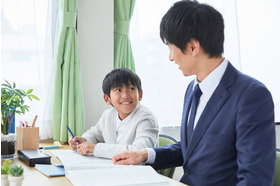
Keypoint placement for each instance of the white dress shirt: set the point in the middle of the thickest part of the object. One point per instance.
(207, 87)
(123, 124)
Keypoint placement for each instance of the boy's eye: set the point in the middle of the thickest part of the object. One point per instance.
(132, 88)
(117, 90)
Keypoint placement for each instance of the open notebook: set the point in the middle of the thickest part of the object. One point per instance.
(89, 170)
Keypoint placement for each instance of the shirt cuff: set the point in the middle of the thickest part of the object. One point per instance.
(151, 156)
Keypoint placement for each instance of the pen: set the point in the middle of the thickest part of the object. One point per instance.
(51, 147)
(34, 121)
(73, 136)
(26, 124)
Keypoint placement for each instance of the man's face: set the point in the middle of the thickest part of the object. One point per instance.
(124, 99)
(184, 60)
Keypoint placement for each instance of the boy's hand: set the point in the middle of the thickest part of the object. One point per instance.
(131, 157)
(86, 148)
(74, 142)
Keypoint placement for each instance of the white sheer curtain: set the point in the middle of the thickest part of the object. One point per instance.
(259, 27)
(163, 83)
(27, 40)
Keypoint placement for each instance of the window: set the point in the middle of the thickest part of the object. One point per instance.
(26, 51)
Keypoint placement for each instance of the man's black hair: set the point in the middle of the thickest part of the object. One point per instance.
(119, 77)
(187, 20)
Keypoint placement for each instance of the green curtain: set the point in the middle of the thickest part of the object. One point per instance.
(123, 57)
(67, 105)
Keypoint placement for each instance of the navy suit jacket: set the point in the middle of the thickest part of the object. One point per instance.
(234, 139)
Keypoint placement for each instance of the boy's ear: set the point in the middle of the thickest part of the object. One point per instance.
(107, 99)
(140, 96)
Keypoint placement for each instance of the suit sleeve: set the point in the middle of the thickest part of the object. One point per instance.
(168, 156)
(255, 138)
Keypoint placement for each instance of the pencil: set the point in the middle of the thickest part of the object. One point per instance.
(34, 121)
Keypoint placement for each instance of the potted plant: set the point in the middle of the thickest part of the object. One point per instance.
(4, 172)
(12, 102)
(16, 175)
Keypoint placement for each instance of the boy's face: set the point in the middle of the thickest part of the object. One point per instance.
(124, 99)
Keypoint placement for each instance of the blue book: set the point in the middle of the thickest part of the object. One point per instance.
(51, 170)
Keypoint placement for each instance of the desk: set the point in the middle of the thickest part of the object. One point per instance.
(34, 177)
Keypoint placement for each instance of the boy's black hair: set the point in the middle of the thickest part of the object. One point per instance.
(189, 19)
(119, 77)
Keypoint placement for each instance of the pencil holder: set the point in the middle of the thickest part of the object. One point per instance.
(27, 138)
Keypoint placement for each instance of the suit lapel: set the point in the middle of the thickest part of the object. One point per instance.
(212, 108)
(185, 116)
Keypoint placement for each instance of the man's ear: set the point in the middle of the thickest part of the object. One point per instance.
(140, 96)
(107, 99)
(194, 47)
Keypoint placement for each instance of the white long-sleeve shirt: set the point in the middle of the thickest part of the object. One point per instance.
(142, 132)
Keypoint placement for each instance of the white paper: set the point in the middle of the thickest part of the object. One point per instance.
(121, 176)
(69, 156)
(90, 170)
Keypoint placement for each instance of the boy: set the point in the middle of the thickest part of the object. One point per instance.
(126, 126)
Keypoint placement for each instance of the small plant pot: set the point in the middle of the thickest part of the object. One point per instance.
(15, 181)
(4, 180)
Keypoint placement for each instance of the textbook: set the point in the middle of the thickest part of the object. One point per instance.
(90, 170)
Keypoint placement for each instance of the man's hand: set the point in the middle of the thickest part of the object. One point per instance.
(131, 157)
(86, 148)
(73, 142)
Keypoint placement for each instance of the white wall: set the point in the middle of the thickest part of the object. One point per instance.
(96, 45)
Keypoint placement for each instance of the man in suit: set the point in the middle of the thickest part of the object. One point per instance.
(228, 129)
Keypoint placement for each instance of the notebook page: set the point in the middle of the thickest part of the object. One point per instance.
(121, 176)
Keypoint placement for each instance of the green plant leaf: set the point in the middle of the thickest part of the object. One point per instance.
(35, 97)
(22, 110)
(14, 85)
(20, 93)
(9, 85)
(29, 97)
(6, 166)
(24, 93)
(29, 91)
(16, 170)
(10, 94)
(14, 97)
(5, 85)
(8, 102)
(18, 112)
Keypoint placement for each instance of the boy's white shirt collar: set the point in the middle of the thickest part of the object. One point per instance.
(123, 124)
